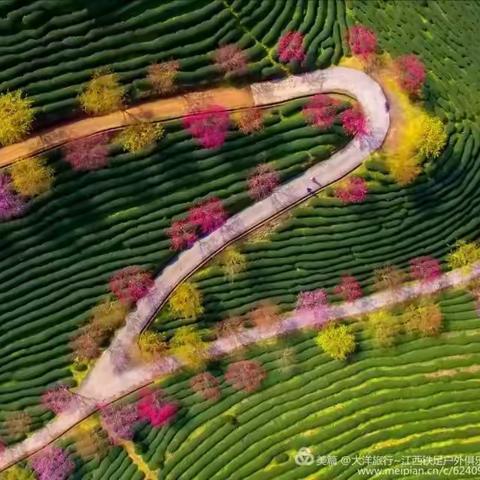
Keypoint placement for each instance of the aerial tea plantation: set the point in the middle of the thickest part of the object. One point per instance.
(239, 239)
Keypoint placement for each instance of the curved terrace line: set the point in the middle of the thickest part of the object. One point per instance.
(105, 385)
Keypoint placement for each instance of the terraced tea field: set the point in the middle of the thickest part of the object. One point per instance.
(416, 398)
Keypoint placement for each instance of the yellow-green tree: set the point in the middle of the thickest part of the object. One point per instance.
(109, 314)
(188, 346)
(152, 345)
(140, 135)
(423, 319)
(186, 301)
(16, 117)
(434, 136)
(31, 176)
(103, 94)
(233, 262)
(463, 255)
(337, 341)
(384, 328)
(17, 473)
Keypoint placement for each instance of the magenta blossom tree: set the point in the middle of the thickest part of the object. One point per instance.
(290, 47)
(262, 181)
(88, 153)
(155, 409)
(425, 269)
(321, 110)
(119, 421)
(354, 121)
(313, 302)
(52, 463)
(183, 234)
(59, 399)
(361, 40)
(209, 126)
(352, 190)
(208, 215)
(411, 72)
(130, 284)
(349, 288)
(230, 59)
(11, 204)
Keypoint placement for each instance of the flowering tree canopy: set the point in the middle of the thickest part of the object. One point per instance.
(290, 47)
(352, 190)
(246, 375)
(16, 117)
(119, 421)
(412, 73)
(388, 277)
(321, 110)
(162, 76)
(84, 347)
(109, 314)
(337, 341)
(18, 423)
(186, 301)
(52, 463)
(314, 302)
(209, 125)
(139, 136)
(208, 215)
(11, 204)
(152, 345)
(188, 346)
(31, 176)
(130, 284)
(362, 40)
(16, 472)
(58, 399)
(425, 268)
(384, 327)
(206, 385)
(463, 255)
(233, 262)
(423, 319)
(249, 120)
(261, 181)
(354, 121)
(183, 234)
(88, 153)
(230, 59)
(265, 315)
(349, 288)
(155, 409)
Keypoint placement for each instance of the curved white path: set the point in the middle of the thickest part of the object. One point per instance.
(103, 384)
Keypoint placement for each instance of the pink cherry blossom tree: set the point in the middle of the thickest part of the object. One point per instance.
(362, 40)
(58, 399)
(412, 73)
(88, 153)
(313, 302)
(290, 47)
(321, 110)
(349, 288)
(52, 463)
(230, 59)
(183, 234)
(209, 125)
(354, 121)
(130, 284)
(352, 190)
(208, 215)
(155, 409)
(262, 181)
(425, 269)
(119, 421)
(245, 375)
(11, 204)
(206, 385)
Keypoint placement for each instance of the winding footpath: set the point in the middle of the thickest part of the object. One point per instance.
(105, 384)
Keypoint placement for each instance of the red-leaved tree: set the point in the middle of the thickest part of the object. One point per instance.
(58, 399)
(361, 40)
(183, 234)
(411, 72)
(209, 125)
(261, 181)
(88, 153)
(245, 375)
(425, 268)
(230, 59)
(290, 47)
(352, 190)
(155, 409)
(11, 204)
(206, 385)
(321, 110)
(354, 121)
(208, 215)
(349, 288)
(52, 463)
(119, 421)
(130, 284)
